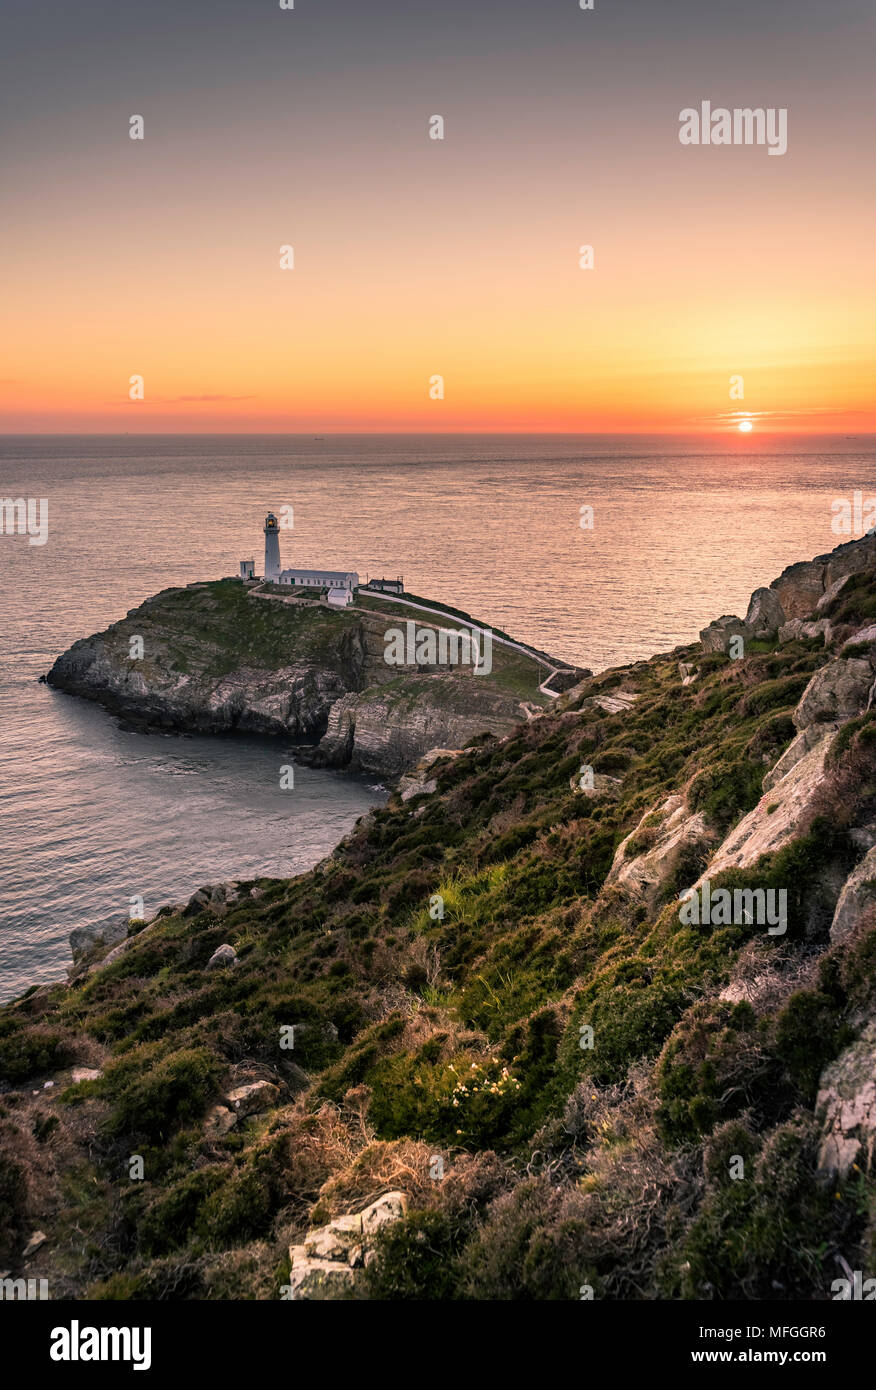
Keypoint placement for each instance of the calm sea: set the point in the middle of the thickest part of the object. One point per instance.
(91, 816)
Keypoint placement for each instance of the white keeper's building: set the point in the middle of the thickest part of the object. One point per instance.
(340, 584)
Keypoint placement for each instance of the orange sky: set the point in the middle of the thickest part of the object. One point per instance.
(457, 258)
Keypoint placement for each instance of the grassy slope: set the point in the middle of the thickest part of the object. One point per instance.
(565, 1165)
(213, 629)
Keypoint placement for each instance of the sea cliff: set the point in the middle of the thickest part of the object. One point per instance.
(228, 657)
(485, 1050)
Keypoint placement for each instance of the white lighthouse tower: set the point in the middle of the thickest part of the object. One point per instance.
(272, 548)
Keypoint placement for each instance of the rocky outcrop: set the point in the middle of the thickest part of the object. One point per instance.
(800, 591)
(719, 634)
(325, 1264)
(797, 749)
(857, 896)
(765, 613)
(87, 939)
(799, 587)
(418, 782)
(839, 691)
(253, 1098)
(775, 820)
(217, 658)
(797, 628)
(645, 859)
(846, 1108)
(386, 731)
(813, 584)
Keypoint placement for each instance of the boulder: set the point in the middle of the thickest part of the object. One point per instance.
(85, 939)
(37, 1239)
(765, 613)
(311, 1278)
(413, 786)
(716, 637)
(859, 893)
(846, 1108)
(249, 1100)
(799, 587)
(340, 1240)
(665, 833)
(798, 628)
(197, 902)
(391, 1207)
(223, 896)
(222, 958)
(85, 1074)
(323, 1265)
(837, 692)
(830, 593)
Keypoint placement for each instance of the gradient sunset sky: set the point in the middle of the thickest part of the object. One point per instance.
(416, 257)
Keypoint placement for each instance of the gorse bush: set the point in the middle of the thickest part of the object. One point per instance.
(171, 1092)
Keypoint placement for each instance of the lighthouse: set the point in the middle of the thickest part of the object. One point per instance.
(272, 548)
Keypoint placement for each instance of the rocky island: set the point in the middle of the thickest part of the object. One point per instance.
(234, 656)
(480, 1052)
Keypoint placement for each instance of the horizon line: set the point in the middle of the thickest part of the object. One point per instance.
(727, 431)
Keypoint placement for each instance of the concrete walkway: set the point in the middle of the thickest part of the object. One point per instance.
(437, 613)
(502, 641)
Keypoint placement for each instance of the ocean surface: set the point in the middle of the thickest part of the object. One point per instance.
(90, 816)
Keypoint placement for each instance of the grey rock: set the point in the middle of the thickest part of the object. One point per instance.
(797, 749)
(846, 1108)
(391, 1207)
(324, 1264)
(859, 893)
(37, 1239)
(197, 903)
(765, 613)
(717, 636)
(836, 693)
(669, 830)
(85, 939)
(603, 785)
(831, 592)
(410, 787)
(251, 1099)
(223, 957)
(799, 587)
(313, 1279)
(775, 821)
(799, 627)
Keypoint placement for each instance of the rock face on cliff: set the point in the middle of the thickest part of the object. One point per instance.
(800, 592)
(222, 657)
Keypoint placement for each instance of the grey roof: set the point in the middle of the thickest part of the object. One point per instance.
(321, 574)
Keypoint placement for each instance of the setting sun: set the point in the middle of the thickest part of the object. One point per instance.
(745, 426)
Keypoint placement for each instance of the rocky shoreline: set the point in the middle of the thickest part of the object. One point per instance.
(226, 658)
